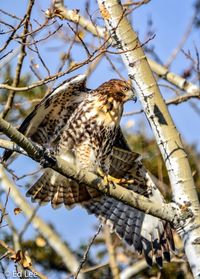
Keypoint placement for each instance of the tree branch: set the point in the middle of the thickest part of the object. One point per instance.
(95, 55)
(12, 146)
(170, 212)
(20, 61)
(173, 101)
(71, 15)
(111, 253)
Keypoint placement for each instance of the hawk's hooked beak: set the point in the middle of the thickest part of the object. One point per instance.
(135, 99)
(133, 96)
(130, 95)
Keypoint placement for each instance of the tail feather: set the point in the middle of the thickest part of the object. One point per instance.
(157, 250)
(144, 233)
(166, 248)
(57, 189)
(140, 231)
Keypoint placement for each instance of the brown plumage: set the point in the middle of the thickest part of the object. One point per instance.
(91, 130)
(86, 123)
(44, 123)
(88, 136)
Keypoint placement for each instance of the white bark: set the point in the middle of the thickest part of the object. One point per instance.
(167, 137)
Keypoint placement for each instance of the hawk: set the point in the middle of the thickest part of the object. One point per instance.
(85, 123)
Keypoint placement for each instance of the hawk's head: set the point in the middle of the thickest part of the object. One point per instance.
(118, 90)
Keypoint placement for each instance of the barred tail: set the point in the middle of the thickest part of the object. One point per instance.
(142, 232)
(57, 189)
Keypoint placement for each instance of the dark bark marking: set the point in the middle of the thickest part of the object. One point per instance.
(159, 115)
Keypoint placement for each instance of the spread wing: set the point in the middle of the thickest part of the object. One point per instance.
(141, 231)
(144, 233)
(44, 123)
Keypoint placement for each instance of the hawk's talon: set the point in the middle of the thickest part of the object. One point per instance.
(109, 180)
(126, 182)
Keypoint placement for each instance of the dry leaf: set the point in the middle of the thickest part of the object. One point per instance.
(130, 124)
(72, 64)
(23, 258)
(17, 210)
(26, 262)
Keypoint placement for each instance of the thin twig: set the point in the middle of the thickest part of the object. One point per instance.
(28, 222)
(181, 43)
(84, 259)
(54, 240)
(3, 208)
(20, 62)
(100, 32)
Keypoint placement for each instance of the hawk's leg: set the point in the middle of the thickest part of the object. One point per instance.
(120, 181)
(110, 180)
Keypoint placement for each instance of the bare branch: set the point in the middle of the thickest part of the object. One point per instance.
(20, 62)
(161, 71)
(134, 269)
(95, 55)
(111, 253)
(181, 43)
(3, 208)
(169, 212)
(85, 256)
(12, 146)
(173, 101)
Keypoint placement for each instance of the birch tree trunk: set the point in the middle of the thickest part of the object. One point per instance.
(167, 137)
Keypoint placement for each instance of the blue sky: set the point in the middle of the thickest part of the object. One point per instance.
(170, 20)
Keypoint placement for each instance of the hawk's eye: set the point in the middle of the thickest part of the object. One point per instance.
(126, 89)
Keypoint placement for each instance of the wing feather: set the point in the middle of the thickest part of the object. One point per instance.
(48, 117)
(141, 231)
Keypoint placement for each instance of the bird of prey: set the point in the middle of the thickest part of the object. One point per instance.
(86, 140)
(84, 124)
